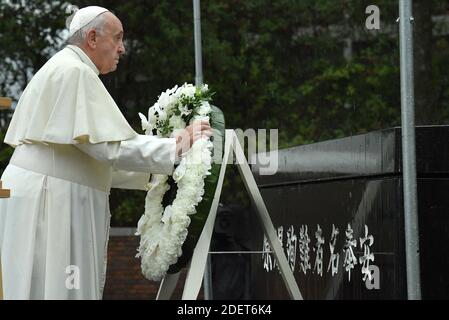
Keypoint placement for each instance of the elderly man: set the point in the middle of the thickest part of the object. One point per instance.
(72, 144)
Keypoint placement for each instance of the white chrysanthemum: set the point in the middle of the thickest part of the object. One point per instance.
(162, 115)
(167, 101)
(152, 118)
(180, 170)
(185, 111)
(156, 107)
(163, 231)
(144, 123)
(204, 109)
(164, 100)
(172, 90)
(188, 90)
(176, 122)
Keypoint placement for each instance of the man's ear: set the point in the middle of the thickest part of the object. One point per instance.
(91, 38)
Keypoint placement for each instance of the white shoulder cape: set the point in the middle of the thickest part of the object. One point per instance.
(66, 103)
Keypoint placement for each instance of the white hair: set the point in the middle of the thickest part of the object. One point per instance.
(79, 36)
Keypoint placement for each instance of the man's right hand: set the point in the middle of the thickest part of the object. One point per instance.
(185, 138)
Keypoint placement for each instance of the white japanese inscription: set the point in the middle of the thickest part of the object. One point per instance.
(318, 248)
(367, 255)
(281, 239)
(266, 256)
(301, 243)
(292, 241)
(268, 261)
(304, 255)
(349, 258)
(334, 257)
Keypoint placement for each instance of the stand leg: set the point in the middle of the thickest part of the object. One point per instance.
(168, 285)
(199, 258)
(1, 285)
(256, 197)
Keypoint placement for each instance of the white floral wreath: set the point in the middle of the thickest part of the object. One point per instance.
(164, 230)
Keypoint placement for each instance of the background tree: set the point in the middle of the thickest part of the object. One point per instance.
(30, 33)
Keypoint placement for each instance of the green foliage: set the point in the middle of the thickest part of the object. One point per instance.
(127, 206)
(29, 35)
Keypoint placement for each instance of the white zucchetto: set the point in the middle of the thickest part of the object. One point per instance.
(83, 17)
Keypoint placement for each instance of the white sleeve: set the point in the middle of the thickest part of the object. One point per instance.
(142, 153)
(129, 180)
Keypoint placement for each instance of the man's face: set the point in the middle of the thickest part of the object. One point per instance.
(109, 45)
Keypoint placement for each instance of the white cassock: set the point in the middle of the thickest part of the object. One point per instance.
(72, 144)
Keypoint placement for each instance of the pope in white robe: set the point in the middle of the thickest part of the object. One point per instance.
(72, 144)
